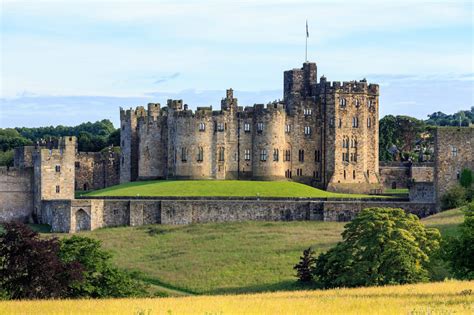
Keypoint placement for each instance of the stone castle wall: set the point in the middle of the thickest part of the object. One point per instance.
(134, 212)
(454, 151)
(96, 170)
(16, 194)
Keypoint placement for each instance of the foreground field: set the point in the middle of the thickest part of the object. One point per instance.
(219, 188)
(452, 297)
(238, 257)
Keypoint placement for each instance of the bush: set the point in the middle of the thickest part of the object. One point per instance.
(380, 246)
(459, 251)
(465, 178)
(30, 267)
(304, 269)
(100, 278)
(455, 197)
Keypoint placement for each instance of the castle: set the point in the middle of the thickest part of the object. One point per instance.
(322, 134)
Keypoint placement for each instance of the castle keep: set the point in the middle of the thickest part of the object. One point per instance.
(323, 134)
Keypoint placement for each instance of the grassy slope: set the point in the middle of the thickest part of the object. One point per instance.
(233, 188)
(427, 298)
(229, 257)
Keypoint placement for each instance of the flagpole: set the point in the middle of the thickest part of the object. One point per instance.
(306, 45)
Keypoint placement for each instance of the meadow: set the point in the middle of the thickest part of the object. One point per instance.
(219, 188)
(229, 258)
(450, 297)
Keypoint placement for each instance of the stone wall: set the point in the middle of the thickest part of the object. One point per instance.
(96, 170)
(393, 177)
(422, 192)
(16, 194)
(346, 211)
(82, 214)
(454, 151)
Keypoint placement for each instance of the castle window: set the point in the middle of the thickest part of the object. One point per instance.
(454, 151)
(288, 174)
(317, 156)
(299, 172)
(247, 155)
(355, 122)
(287, 155)
(353, 174)
(368, 174)
(123, 143)
(275, 154)
(344, 174)
(123, 127)
(202, 126)
(259, 127)
(357, 102)
(307, 130)
(221, 154)
(369, 122)
(352, 157)
(342, 102)
(58, 168)
(370, 103)
(200, 155)
(184, 154)
(331, 122)
(220, 127)
(247, 127)
(301, 155)
(58, 189)
(345, 157)
(123, 160)
(307, 111)
(458, 176)
(340, 122)
(288, 128)
(263, 155)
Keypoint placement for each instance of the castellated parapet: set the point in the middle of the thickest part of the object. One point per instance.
(322, 133)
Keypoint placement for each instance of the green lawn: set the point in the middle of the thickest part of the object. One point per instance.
(219, 188)
(216, 258)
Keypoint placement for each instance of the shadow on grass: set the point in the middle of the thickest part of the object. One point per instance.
(40, 228)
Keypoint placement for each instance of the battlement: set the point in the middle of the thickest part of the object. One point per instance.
(360, 86)
(175, 104)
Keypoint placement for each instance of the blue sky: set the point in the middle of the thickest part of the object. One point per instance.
(65, 62)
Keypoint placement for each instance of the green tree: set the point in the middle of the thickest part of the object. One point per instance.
(304, 269)
(30, 267)
(380, 246)
(100, 278)
(459, 251)
(387, 127)
(465, 178)
(455, 197)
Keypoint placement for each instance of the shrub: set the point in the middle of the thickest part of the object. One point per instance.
(380, 246)
(304, 269)
(100, 278)
(465, 178)
(455, 197)
(459, 251)
(30, 267)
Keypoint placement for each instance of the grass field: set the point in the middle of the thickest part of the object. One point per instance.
(219, 188)
(237, 257)
(451, 297)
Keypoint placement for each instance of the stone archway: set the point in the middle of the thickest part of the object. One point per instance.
(83, 221)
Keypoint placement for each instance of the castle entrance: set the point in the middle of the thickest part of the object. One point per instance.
(83, 222)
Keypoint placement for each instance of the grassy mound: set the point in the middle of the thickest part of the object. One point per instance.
(218, 188)
(450, 297)
(234, 257)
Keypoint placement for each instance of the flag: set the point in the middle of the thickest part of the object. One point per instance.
(307, 32)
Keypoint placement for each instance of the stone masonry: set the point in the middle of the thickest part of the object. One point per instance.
(322, 134)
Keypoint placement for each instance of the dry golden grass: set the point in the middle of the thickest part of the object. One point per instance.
(450, 297)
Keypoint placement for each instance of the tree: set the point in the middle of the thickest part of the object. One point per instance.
(30, 267)
(455, 197)
(304, 269)
(465, 178)
(459, 251)
(100, 278)
(380, 246)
